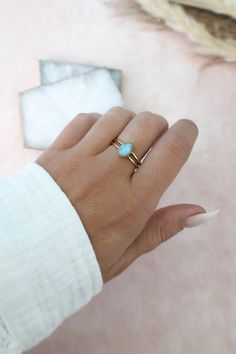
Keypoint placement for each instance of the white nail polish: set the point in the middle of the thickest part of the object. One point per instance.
(200, 219)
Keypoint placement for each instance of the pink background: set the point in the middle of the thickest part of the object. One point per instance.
(181, 298)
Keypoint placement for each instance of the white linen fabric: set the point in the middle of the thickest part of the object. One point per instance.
(48, 268)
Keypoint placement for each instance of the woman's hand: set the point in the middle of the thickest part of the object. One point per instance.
(117, 206)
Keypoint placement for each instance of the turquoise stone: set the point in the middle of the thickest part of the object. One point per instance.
(125, 149)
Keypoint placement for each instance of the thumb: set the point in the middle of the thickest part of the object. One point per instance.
(163, 224)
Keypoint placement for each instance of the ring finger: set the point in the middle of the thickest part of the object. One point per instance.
(143, 130)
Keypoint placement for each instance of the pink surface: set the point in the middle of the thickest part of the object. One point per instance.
(181, 298)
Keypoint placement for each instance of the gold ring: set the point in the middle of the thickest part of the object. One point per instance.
(126, 150)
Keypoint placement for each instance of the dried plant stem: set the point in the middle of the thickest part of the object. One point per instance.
(177, 18)
(218, 6)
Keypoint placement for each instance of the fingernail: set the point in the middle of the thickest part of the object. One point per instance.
(200, 219)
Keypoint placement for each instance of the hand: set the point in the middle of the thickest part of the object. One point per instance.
(117, 206)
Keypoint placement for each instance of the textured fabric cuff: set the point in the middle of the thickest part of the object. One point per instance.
(48, 267)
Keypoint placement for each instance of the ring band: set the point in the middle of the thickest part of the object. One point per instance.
(133, 160)
(126, 150)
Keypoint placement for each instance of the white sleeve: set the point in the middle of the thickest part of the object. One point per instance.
(48, 269)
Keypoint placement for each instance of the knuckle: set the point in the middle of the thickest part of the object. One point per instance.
(117, 111)
(80, 116)
(156, 235)
(162, 122)
(163, 233)
(153, 239)
(190, 123)
(94, 116)
(85, 117)
(150, 120)
(147, 120)
(178, 148)
(159, 233)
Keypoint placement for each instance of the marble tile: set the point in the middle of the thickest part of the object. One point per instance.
(46, 110)
(52, 71)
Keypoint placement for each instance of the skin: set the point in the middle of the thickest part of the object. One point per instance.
(117, 206)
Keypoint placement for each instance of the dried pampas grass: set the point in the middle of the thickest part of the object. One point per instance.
(214, 33)
(221, 7)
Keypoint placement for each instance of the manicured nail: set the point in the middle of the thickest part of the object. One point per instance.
(200, 219)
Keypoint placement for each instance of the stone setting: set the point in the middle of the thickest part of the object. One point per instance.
(125, 149)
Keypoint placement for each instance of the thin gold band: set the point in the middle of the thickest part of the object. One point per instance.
(132, 156)
(134, 162)
(132, 153)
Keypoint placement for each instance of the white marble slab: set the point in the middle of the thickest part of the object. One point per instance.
(52, 71)
(46, 110)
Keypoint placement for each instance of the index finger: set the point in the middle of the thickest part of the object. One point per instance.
(165, 160)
